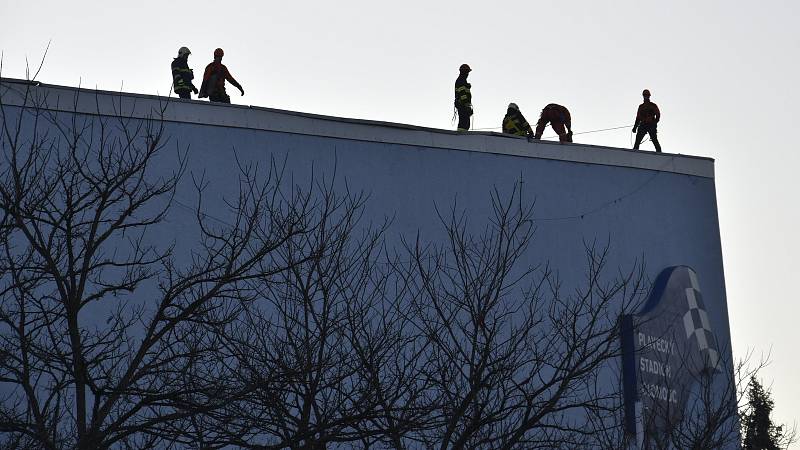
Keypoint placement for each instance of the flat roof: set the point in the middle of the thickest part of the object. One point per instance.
(15, 92)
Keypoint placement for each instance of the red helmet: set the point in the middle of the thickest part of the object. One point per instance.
(646, 93)
(218, 53)
(464, 68)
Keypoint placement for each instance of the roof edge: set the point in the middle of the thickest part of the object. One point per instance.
(16, 92)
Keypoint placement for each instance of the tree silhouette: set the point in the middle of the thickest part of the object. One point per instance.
(759, 431)
(295, 324)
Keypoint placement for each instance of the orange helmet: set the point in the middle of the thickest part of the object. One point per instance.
(218, 53)
(646, 93)
(464, 68)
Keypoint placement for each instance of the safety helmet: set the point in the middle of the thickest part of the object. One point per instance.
(464, 68)
(646, 93)
(513, 106)
(218, 53)
(183, 51)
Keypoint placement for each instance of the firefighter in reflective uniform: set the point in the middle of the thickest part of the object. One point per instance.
(514, 122)
(214, 78)
(463, 101)
(647, 117)
(558, 117)
(182, 75)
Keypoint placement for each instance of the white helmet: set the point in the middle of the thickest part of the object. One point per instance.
(513, 106)
(183, 51)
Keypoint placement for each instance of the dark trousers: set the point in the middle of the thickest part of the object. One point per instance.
(651, 129)
(184, 94)
(558, 127)
(219, 96)
(464, 114)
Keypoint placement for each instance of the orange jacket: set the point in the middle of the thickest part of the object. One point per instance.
(648, 113)
(222, 74)
(554, 113)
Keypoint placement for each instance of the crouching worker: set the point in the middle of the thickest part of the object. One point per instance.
(514, 122)
(558, 117)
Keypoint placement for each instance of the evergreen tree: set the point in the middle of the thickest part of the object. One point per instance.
(759, 431)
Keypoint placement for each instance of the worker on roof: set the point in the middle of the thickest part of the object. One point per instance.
(514, 122)
(463, 101)
(182, 75)
(559, 118)
(214, 78)
(647, 117)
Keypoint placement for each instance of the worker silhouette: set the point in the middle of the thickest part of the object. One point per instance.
(182, 75)
(214, 78)
(514, 122)
(463, 101)
(559, 118)
(647, 117)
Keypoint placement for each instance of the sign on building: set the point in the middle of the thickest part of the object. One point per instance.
(667, 346)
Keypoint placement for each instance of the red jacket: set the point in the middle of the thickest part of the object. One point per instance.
(554, 113)
(222, 74)
(647, 114)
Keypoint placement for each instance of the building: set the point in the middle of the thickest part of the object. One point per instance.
(658, 210)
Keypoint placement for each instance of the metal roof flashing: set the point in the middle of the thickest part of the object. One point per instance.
(14, 92)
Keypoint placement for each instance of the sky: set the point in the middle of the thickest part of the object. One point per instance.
(724, 74)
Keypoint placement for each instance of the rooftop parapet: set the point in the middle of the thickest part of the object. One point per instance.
(170, 109)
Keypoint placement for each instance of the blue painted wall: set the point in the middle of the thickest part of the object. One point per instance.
(656, 217)
(661, 218)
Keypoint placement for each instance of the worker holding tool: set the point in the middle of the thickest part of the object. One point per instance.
(559, 118)
(647, 117)
(463, 101)
(514, 122)
(182, 75)
(214, 78)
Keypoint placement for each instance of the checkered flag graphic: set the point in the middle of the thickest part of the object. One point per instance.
(695, 323)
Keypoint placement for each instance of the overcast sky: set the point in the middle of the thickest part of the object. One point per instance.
(724, 73)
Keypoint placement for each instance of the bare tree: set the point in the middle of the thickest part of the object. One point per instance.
(511, 360)
(698, 406)
(294, 324)
(322, 357)
(79, 199)
(445, 347)
(712, 416)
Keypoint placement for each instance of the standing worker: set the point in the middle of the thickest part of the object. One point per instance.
(647, 117)
(514, 122)
(558, 117)
(463, 101)
(182, 75)
(214, 78)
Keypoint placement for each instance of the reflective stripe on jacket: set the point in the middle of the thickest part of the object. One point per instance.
(515, 123)
(463, 94)
(182, 75)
